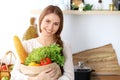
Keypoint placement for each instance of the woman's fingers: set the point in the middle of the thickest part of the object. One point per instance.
(48, 70)
(48, 74)
(44, 74)
(52, 74)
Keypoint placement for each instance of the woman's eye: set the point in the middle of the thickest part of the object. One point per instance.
(56, 24)
(47, 21)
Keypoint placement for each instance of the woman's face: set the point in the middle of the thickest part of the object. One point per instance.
(50, 24)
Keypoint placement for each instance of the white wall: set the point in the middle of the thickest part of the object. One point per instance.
(14, 19)
(91, 31)
(83, 31)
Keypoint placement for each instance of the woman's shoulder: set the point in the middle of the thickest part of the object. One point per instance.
(66, 43)
(31, 43)
(33, 40)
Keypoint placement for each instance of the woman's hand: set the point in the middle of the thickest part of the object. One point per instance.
(48, 74)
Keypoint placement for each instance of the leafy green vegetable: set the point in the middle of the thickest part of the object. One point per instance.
(87, 7)
(53, 52)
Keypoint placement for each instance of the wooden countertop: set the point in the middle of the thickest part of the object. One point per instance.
(106, 77)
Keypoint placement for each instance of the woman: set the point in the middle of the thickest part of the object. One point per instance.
(50, 27)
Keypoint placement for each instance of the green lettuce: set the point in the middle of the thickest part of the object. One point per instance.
(52, 51)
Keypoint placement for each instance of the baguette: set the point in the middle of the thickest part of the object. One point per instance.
(22, 54)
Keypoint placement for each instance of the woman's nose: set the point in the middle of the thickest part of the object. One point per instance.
(50, 27)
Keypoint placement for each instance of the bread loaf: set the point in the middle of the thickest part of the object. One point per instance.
(22, 54)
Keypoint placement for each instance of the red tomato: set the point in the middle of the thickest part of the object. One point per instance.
(4, 68)
(45, 61)
(48, 60)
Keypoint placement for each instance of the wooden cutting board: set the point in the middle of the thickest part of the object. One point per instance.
(102, 59)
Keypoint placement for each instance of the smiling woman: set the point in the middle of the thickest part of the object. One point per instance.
(50, 28)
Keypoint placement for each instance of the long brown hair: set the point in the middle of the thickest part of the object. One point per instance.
(56, 10)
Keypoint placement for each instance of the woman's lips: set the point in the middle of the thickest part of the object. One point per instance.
(48, 31)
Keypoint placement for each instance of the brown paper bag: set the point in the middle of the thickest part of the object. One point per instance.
(35, 70)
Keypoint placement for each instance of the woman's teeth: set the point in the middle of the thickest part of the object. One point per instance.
(49, 31)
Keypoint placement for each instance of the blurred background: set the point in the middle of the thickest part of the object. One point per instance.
(82, 31)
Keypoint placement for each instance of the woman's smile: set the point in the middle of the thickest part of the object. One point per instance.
(49, 31)
(50, 24)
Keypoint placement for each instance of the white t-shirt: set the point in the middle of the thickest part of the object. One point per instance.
(33, 43)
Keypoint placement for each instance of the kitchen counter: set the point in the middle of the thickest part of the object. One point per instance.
(106, 77)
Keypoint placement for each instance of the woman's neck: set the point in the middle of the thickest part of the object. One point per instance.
(45, 41)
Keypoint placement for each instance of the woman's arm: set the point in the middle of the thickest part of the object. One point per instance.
(68, 66)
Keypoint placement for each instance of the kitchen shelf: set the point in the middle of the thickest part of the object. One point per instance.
(91, 12)
(76, 12)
